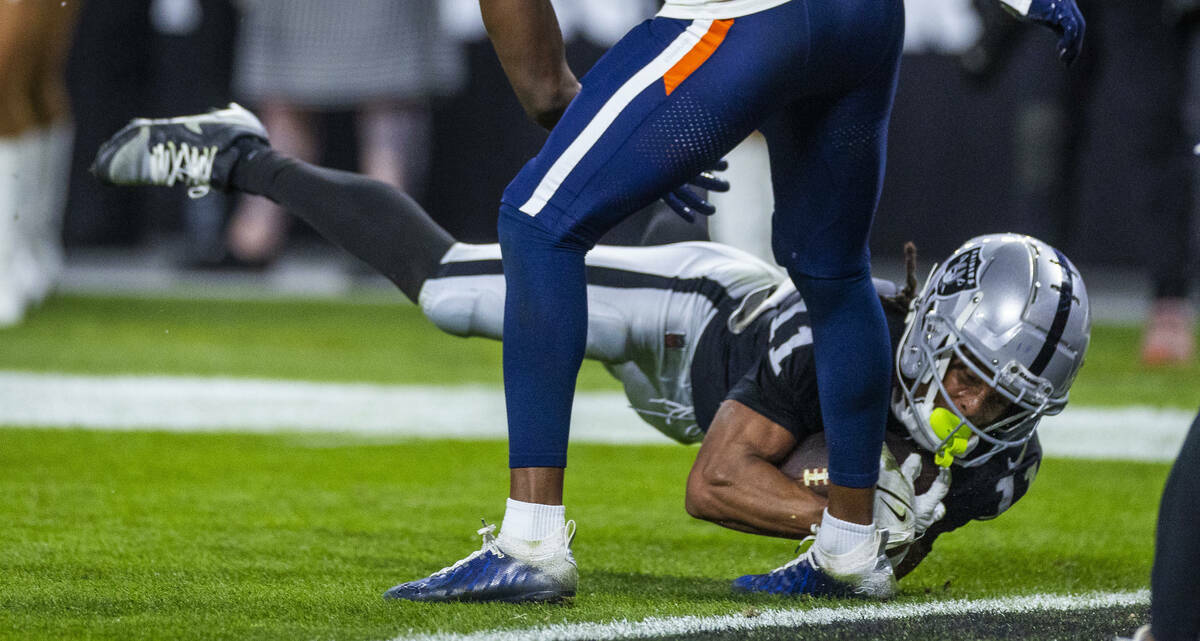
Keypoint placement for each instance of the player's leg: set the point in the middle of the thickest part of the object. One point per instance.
(647, 308)
(636, 295)
(373, 221)
(827, 158)
(379, 224)
(1175, 581)
(652, 113)
(50, 145)
(258, 229)
(16, 120)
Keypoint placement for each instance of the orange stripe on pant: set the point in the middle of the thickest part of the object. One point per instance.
(696, 57)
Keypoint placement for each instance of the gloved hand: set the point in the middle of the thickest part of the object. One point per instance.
(895, 508)
(687, 203)
(1062, 16)
(928, 506)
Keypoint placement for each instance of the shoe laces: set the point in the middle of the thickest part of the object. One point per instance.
(801, 553)
(489, 545)
(172, 162)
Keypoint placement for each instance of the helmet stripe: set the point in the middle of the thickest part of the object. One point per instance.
(1060, 318)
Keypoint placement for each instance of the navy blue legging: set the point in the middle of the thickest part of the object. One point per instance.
(817, 77)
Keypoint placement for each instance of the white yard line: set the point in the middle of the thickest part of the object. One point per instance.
(429, 411)
(246, 405)
(668, 626)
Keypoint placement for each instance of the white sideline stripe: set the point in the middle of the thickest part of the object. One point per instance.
(669, 626)
(570, 157)
(437, 411)
(196, 404)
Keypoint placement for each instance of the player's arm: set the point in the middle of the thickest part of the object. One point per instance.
(736, 482)
(529, 43)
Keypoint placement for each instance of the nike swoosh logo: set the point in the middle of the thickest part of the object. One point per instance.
(902, 511)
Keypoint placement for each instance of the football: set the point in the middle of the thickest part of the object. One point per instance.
(808, 464)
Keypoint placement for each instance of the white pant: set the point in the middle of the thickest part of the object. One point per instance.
(647, 307)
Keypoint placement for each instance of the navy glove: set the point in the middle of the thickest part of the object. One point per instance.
(1062, 16)
(687, 203)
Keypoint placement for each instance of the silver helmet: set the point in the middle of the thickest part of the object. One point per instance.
(1014, 310)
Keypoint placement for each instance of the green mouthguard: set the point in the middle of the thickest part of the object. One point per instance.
(944, 423)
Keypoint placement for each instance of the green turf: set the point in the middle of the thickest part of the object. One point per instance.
(187, 536)
(340, 341)
(295, 339)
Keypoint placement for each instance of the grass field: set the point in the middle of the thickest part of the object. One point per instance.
(339, 341)
(150, 535)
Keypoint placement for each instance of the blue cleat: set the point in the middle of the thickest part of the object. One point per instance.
(864, 573)
(545, 573)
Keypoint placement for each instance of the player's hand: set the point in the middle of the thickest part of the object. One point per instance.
(1062, 16)
(687, 203)
(928, 506)
(895, 508)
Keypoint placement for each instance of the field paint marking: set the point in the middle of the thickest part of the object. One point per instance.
(438, 411)
(195, 404)
(668, 626)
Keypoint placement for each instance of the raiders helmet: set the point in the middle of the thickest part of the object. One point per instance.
(1014, 310)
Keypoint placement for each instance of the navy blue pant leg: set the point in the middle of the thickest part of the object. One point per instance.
(1175, 580)
(623, 142)
(630, 136)
(827, 165)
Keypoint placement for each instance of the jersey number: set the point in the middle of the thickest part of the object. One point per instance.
(1006, 489)
(802, 337)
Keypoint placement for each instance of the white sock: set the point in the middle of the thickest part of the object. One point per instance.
(837, 537)
(532, 521)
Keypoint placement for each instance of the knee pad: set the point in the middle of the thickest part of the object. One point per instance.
(476, 309)
(466, 305)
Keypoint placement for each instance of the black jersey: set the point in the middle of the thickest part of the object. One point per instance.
(769, 368)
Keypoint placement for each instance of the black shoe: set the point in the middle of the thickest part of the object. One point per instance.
(197, 151)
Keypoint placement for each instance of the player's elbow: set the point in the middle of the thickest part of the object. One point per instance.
(546, 100)
(704, 488)
(698, 502)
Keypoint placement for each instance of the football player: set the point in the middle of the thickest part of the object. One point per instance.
(710, 344)
(1175, 578)
(817, 78)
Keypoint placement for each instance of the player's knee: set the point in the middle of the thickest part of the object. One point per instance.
(463, 311)
(811, 260)
(519, 234)
(804, 271)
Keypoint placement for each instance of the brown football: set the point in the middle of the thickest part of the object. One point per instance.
(808, 464)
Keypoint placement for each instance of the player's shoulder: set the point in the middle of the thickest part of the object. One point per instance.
(1006, 463)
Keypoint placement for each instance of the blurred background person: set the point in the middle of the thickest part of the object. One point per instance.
(108, 77)
(35, 143)
(1161, 83)
(382, 59)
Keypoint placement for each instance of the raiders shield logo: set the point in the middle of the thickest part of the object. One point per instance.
(961, 273)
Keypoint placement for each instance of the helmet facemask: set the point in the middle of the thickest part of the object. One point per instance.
(937, 344)
(983, 315)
